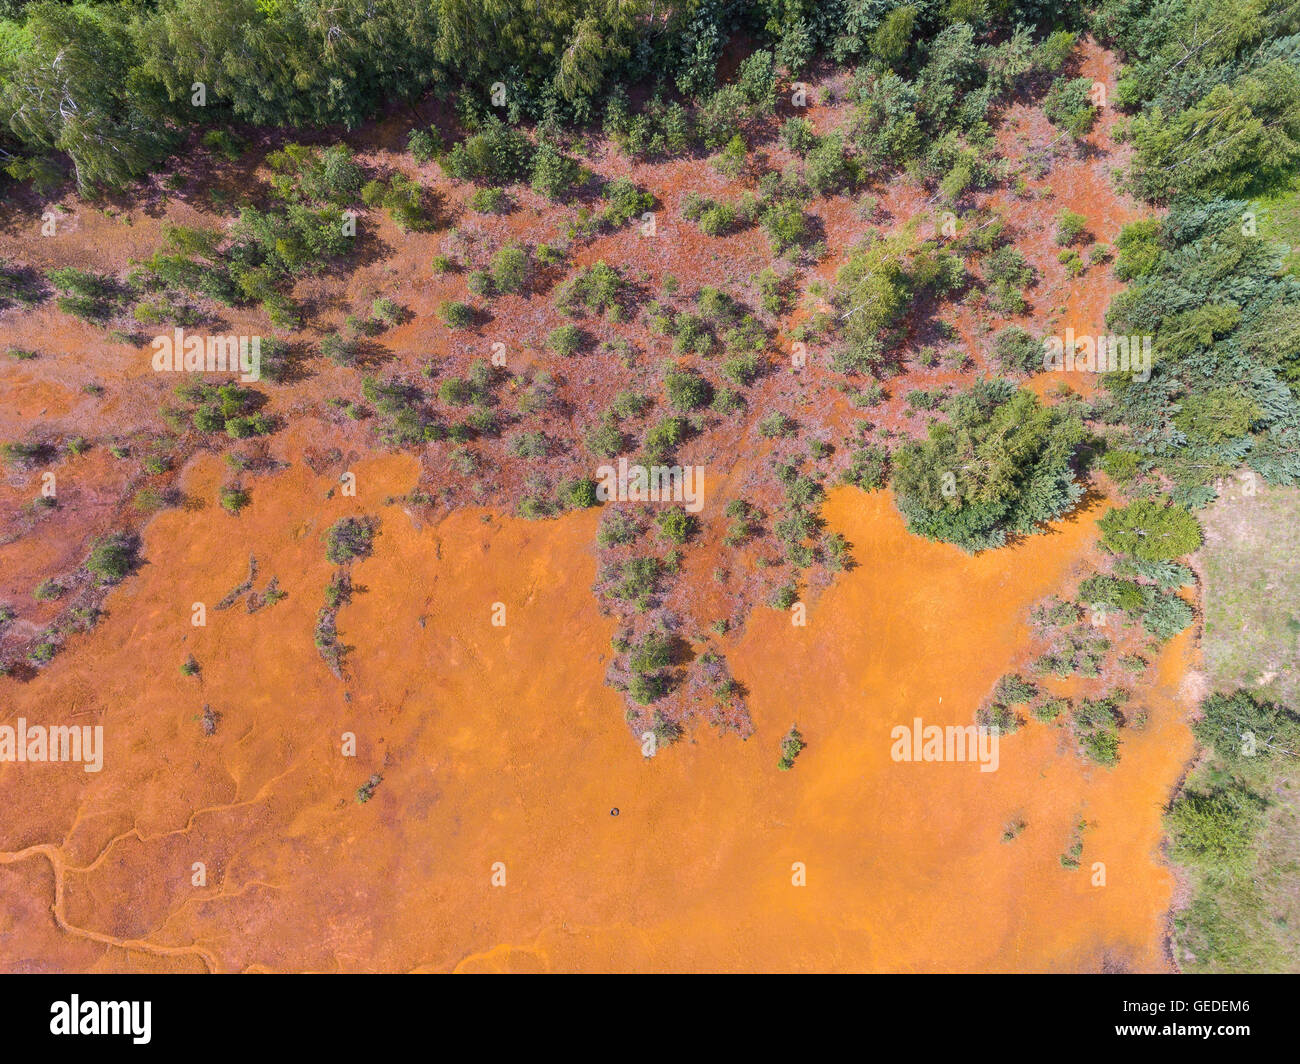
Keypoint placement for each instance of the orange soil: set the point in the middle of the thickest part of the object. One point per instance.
(504, 744)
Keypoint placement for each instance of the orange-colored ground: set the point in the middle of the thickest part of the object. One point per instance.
(504, 744)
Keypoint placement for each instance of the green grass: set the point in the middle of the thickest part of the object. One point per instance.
(1251, 564)
(1246, 918)
(1279, 221)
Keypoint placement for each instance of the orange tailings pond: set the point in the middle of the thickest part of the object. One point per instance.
(504, 745)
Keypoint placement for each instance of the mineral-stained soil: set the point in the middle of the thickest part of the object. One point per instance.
(497, 754)
(502, 744)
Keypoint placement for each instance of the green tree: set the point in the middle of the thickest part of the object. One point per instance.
(1002, 465)
(72, 92)
(1151, 530)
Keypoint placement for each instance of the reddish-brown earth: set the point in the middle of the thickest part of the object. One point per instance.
(505, 744)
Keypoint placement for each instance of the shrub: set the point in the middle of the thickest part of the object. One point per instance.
(598, 288)
(233, 499)
(629, 404)
(785, 225)
(1050, 709)
(624, 201)
(1070, 227)
(340, 351)
(959, 487)
(791, 746)
(554, 173)
(829, 168)
(731, 160)
(510, 269)
(349, 538)
(1068, 104)
(48, 590)
(644, 689)
(868, 468)
(654, 652)
(606, 439)
(565, 340)
(1016, 350)
(687, 390)
(617, 528)
(1215, 829)
(580, 493)
(798, 136)
(488, 200)
(775, 424)
(113, 557)
(783, 597)
(1167, 616)
(424, 144)
(244, 426)
(454, 391)
(718, 219)
(456, 315)
(528, 445)
(742, 368)
(1139, 248)
(676, 525)
(1009, 273)
(496, 154)
(386, 311)
(42, 653)
(663, 437)
(1151, 530)
(637, 581)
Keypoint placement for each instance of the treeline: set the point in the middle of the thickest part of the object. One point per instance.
(1213, 90)
(112, 88)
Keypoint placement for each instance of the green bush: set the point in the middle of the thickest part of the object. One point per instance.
(565, 340)
(798, 136)
(424, 144)
(233, 499)
(1017, 351)
(1002, 465)
(676, 525)
(113, 557)
(687, 390)
(625, 201)
(775, 424)
(654, 652)
(456, 315)
(48, 590)
(1151, 530)
(488, 200)
(510, 268)
(791, 746)
(554, 174)
(580, 493)
(663, 438)
(1070, 227)
(496, 154)
(349, 538)
(1068, 104)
